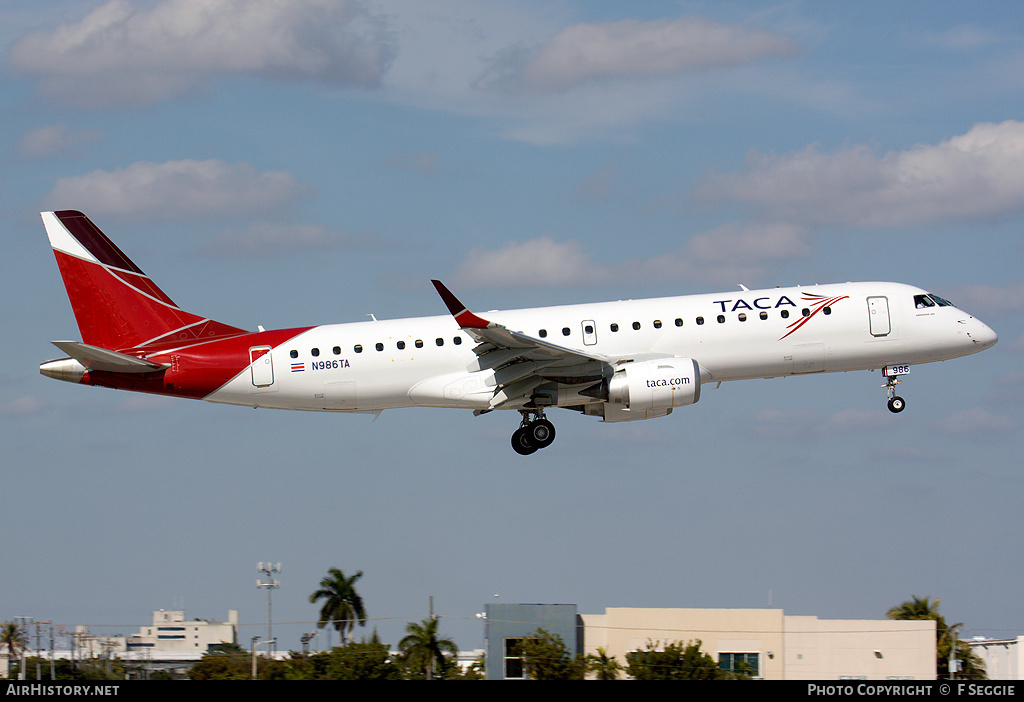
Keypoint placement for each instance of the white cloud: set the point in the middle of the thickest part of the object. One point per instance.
(746, 244)
(583, 53)
(805, 424)
(508, 62)
(178, 190)
(522, 64)
(540, 261)
(22, 406)
(973, 176)
(129, 53)
(730, 253)
(991, 298)
(269, 239)
(56, 140)
(976, 422)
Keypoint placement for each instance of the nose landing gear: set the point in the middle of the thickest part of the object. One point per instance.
(534, 433)
(892, 373)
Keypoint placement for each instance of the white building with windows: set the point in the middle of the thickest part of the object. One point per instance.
(773, 645)
(171, 632)
(170, 642)
(1004, 658)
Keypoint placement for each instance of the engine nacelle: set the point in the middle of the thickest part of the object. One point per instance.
(651, 386)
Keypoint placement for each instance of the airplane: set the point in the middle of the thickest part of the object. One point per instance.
(620, 361)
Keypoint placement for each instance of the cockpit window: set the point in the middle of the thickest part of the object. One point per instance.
(923, 301)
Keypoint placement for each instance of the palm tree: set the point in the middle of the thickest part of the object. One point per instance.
(916, 608)
(946, 640)
(14, 638)
(342, 605)
(603, 665)
(422, 647)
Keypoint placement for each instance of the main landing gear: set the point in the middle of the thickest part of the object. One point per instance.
(535, 432)
(892, 379)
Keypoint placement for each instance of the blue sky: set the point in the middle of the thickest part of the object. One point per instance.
(316, 161)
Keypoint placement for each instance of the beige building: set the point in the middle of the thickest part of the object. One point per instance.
(774, 645)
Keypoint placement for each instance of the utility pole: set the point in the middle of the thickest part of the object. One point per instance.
(23, 627)
(269, 569)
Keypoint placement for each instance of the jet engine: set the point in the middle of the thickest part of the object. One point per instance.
(647, 389)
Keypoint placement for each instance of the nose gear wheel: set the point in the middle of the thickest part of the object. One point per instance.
(896, 403)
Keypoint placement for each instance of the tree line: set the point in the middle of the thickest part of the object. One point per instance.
(423, 653)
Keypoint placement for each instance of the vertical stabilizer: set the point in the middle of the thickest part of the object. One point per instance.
(116, 305)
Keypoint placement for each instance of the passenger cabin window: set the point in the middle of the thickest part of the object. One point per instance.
(784, 314)
(742, 317)
(565, 331)
(439, 341)
(700, 320)
(805, 312)
(679, 322)
(542, 333)
(763, 315)
(457, 340)
(379, 346)
(721, 319)
(657, 324)
(636, 326)
(401, 345)
(358, 348)
(614, 327)
(293, 353)
(419, 343)
(314, 352)
(336, 350)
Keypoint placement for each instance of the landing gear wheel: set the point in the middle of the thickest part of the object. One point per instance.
(541, 433)
(521, 443)
(896, 403)
(535, 432)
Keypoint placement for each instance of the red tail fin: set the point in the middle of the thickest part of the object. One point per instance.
(116, 305)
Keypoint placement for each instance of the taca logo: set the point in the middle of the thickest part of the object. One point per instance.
(815, 304)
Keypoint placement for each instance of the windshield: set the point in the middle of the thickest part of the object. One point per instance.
(927, 300)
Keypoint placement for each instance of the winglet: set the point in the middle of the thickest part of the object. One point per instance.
(465, 318)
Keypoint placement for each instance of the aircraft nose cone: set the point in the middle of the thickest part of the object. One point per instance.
(983, 335)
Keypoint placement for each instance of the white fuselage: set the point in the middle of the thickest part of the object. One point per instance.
(430, 361)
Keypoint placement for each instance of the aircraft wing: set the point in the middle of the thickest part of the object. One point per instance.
(100, 359)
(496, 336)
(521, 362)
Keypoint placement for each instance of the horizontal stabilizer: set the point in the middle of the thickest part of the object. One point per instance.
(98, 359)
